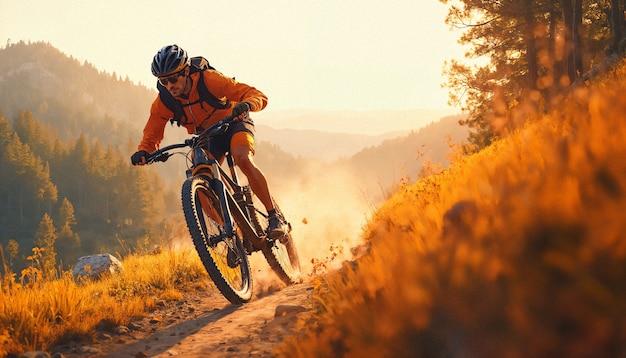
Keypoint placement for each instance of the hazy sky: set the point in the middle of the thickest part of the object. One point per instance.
(322, 54)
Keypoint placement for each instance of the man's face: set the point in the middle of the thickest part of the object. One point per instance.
(175, 83)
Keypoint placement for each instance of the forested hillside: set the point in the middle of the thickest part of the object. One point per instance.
(405, 159)
(71, 98)
(65, 133)
(74, 196)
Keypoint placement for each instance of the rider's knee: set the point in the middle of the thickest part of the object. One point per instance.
(244, 160)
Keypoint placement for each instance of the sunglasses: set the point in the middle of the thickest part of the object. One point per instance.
(170, 79)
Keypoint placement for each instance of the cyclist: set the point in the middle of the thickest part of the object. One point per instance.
(171, 65)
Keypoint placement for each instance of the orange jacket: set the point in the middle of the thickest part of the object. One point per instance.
(200, 114)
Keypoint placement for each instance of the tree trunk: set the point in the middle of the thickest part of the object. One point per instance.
(617, 25)
(576, 27)
(572, 18)
(531, 44)
(556, 64)
(568, 20)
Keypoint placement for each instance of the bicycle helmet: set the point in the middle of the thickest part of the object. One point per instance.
(169, 60)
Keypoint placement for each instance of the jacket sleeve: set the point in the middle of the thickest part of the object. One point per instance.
(226, 87)
(155, 127)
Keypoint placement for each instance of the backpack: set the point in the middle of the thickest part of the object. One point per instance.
(198, 64)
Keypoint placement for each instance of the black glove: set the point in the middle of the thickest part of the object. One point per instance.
(136, 158)
(240, 108)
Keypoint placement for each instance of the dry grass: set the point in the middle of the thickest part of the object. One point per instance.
(517, 251)
(51, 311)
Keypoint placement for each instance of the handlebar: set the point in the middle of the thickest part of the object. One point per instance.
(162, 154)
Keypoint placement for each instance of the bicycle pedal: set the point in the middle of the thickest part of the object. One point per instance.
(276, 233)
(283, 239)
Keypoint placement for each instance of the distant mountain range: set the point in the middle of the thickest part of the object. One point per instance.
(330, 135)
(372, 122)
(325, 146)
(329, 146)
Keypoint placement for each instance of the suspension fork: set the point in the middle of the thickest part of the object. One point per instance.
(218, 181)
(218, 187)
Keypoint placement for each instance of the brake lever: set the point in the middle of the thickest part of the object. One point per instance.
(163, 157)
(159, 157)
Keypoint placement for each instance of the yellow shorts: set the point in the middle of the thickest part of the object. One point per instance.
(242, 139)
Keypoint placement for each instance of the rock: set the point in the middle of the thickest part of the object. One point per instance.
(95, 266)
(35, 354)
(288, 310)
(104, 337)
(122, 330)
(89, 350)
(135, 326)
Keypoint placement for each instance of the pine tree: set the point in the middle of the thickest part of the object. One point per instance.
(33, 133)
(5, 173)
(68, 242)
(5, 131)
(45, 238)
(535, 49)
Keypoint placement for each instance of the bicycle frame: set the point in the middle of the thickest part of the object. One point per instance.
(217, 177)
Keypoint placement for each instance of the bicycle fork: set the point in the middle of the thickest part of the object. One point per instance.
(209, 168)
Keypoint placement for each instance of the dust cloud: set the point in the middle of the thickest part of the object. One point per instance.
(327, 210)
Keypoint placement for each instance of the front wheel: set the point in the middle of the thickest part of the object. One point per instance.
(221, 253)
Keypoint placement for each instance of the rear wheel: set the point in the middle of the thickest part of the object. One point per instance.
(221, 253)
(282, 256)
(280, 253)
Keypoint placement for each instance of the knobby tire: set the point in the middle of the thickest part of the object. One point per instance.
(205, 222)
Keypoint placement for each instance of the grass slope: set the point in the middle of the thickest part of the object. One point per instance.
(517, 251)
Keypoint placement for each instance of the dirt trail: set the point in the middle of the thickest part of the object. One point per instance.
(207, 325)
